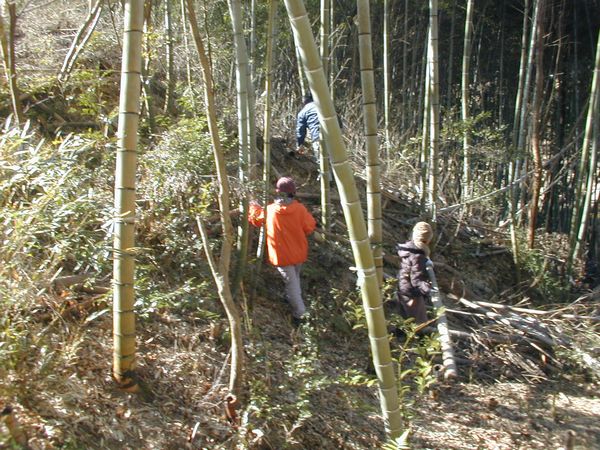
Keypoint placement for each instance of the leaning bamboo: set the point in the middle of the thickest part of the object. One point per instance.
(353, 213)
(442, 325)
(80, 40)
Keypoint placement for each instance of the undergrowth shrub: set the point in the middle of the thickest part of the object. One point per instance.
(55, 212)
(177, 183)
(56, 206)
(545, 265)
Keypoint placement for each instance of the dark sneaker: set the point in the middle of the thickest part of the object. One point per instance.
(297, 321)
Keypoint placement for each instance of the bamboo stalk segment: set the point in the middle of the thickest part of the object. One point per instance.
(442, 325)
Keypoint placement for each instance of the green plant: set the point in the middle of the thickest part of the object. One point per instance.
(415, 359)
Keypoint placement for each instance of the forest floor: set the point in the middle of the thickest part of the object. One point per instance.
(308, 388)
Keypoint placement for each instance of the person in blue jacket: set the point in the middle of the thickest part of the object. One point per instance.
(308, 123)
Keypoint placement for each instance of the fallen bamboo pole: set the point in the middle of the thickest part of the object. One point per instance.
(442, 325)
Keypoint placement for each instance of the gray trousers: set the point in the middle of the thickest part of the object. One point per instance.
(293, 291)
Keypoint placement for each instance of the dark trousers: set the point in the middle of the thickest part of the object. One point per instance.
(413, 307)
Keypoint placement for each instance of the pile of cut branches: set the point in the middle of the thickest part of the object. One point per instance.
(518, 341)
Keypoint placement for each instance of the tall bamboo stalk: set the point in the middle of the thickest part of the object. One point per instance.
(125, 175)
(516, 158)
(350, 201)
(466, 65)
(323, 162)
(147, 52)
(186, 45)
(536, 117)
(373, 165)
(434, 118)
(584, 188)
(241, 63)
(426, 131)
(386, 79)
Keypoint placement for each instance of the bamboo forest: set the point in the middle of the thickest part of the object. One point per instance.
(300, 224)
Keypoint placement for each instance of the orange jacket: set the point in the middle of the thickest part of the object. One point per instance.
(287, 228)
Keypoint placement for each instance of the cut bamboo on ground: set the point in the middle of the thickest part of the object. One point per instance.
(450, 371)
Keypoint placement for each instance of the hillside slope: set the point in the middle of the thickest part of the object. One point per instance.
(309, 388)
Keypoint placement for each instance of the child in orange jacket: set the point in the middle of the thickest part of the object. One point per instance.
(288, 223)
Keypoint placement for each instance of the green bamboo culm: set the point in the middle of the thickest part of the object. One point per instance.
(373, 165)
(124, 220)
(350, 202)
(242, 88)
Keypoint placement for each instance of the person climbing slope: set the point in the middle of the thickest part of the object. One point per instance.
(288, 223)
(413, 282)
(308, 121)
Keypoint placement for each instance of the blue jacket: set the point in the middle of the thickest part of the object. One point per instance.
(308, 119)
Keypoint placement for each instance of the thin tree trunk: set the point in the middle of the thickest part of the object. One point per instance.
(450, 79)
(169, 106)
(186, 46)
(267, 120)
(536, 116)
(524, 110)
(426, 131)
(350, 201)
(513, 192)
(252, 144)
(221, 270)
(146, 91)
(7, 44)
(124, 219)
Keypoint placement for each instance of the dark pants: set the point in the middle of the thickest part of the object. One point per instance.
(413, 307)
